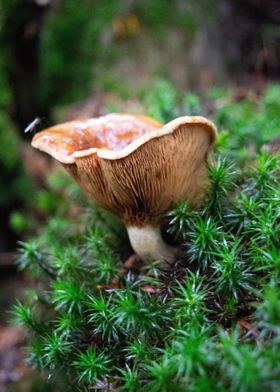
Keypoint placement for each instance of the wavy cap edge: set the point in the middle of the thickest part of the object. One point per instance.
(168, 128)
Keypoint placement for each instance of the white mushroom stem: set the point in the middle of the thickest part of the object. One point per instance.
(147, 242)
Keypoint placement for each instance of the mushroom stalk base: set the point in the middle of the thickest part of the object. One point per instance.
(147, 242)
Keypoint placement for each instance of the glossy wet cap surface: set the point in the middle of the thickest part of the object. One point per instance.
(112, 132)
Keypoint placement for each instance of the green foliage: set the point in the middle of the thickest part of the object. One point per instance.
(179, 220)
(29, 254)
(100, 315)
(13, 180)
(190, 307)
(55, 350)
(209, 323)
(204, 239)
(91, 366)
(161, 101)
(158, 15)
(249, 123)
(23, 315)
(67, 295)
(19, 222)
(232, 276)
(129, 378)
(268, 310)
(71, 44)
(222, 176)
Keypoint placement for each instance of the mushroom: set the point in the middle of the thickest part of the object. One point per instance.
(136, 168)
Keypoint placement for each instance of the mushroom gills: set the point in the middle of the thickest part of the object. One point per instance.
(147, 242)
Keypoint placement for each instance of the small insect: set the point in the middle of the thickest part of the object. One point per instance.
(32, 126)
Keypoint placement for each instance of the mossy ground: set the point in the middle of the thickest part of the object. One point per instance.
(209, 323)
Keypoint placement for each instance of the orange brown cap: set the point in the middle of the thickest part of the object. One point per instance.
(133, 165)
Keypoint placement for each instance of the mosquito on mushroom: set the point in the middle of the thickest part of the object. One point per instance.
(137, 168)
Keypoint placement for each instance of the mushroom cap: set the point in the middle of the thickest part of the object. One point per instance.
(110, 135)
(133, 165)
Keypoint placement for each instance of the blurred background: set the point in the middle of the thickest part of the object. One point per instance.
(62, 59)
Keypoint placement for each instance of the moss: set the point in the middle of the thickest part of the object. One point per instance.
(212, 322)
